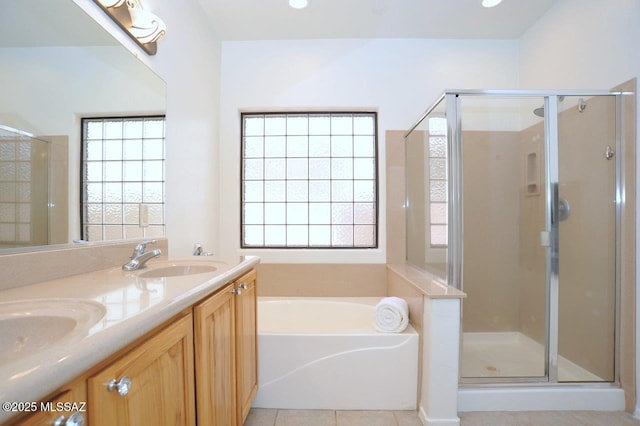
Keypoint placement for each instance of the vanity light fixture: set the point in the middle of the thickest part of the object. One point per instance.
(145, 26)
(298, 4)
(141, 25)
(491, 3)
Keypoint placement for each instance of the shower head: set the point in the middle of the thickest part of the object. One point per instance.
(540, 110)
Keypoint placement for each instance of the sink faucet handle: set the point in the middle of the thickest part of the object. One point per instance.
(141, 247)
(198, 250)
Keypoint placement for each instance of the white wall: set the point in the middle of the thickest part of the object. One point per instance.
(47, 90)
(398, 78)
(188, 60)
(582, 44)
(586, 44)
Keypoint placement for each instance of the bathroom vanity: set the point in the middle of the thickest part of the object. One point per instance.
(170, 335)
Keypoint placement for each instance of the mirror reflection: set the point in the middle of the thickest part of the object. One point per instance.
(58, 67)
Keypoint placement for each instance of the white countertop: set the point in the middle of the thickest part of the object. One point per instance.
(134, 306)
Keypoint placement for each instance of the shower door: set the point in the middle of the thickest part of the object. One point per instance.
(503, 198)
(586, 236)
(536, 213)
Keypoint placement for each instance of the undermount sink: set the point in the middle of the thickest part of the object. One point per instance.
(30, 326)
(177, 271)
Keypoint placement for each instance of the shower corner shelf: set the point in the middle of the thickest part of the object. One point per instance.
(532, 174)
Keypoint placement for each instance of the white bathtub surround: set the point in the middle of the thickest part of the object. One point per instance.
(323, 353)
(438, 307)
(391, 315)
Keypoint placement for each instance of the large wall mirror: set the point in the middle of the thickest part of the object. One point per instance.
(57, 66)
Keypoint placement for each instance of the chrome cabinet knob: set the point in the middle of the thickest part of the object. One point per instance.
(236, 291)
(244, 286)
(123, 386)
(76, 419)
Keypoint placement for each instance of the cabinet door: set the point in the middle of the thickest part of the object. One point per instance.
(161, 390)
(68, 404)
(215, 359)
(246, 345)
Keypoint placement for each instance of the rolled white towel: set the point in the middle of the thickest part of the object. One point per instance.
(391, 315)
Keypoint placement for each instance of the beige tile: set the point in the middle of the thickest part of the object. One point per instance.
(605, 418)
(628, 256)
(548, 418)
(365, 418)
(497, 419)
(322, 279)
(261, 417)
(16, 269)
(484, 418)
(268, 417)
(306, 418)
(407, 418)
(395, 167)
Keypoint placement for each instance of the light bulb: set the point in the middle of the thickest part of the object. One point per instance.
(298, 4)
(491, 3)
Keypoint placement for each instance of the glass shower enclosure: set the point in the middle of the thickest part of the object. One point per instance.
(24, 189)
(514, 197)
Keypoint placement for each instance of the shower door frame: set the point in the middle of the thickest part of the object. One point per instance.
(455, 247)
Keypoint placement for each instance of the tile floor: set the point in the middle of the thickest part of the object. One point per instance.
(269, 417)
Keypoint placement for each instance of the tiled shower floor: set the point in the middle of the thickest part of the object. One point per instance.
(512, 354)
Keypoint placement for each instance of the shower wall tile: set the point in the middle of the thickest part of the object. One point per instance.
(628, 270)
(395, 169)
(491, 220)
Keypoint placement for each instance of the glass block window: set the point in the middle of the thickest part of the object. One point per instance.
(123, 177)
(437, 157)
(309, 180)
(23, 167)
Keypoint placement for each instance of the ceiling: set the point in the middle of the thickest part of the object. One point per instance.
(275, 19)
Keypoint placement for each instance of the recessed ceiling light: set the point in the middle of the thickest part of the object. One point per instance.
(298, 4)
(491, 3)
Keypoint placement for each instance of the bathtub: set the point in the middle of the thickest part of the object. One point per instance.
(323, 353)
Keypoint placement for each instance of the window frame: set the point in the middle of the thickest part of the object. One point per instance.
(82, 182)
(376, 194)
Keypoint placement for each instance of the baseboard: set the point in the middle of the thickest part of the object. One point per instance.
(436, 422)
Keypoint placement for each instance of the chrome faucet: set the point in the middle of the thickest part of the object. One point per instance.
(140, 257)
(198, 250)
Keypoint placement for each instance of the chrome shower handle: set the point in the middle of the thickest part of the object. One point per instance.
(609, 153)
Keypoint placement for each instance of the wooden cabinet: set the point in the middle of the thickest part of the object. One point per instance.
(151, 385)
(67, 405)
(246, 343)
(226, 361)
(204, 358)
(214, 325)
